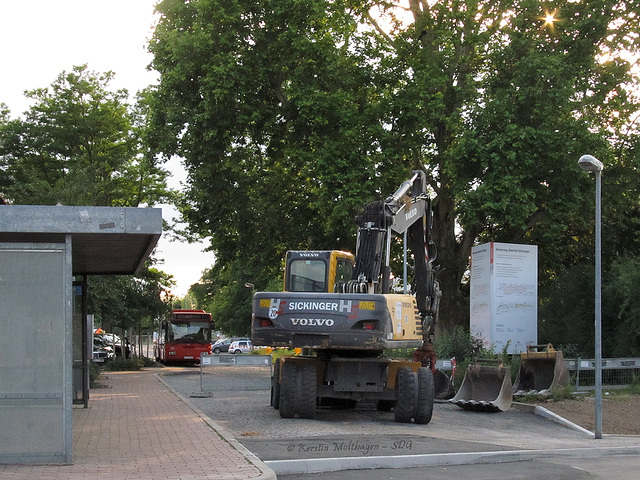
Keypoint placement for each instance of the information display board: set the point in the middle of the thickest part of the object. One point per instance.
(504, 295)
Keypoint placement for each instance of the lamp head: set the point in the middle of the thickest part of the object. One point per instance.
(590, 163)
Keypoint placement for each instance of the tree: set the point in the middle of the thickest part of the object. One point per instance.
(83, 144)
(130, 303)
(79, 144)
(621, 308)
(226, 291)
(292, 114)
(498, 107)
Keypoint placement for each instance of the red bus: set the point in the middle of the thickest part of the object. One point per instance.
(184, 337)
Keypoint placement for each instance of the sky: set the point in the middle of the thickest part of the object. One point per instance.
(41, 38)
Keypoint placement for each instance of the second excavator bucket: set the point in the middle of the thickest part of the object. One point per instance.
(542, 371)
(443, 386)
(486, 387)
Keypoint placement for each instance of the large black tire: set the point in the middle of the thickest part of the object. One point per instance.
(306, 390)
(298, 389)
(216, 350)
(406, 395)
(275, 384)
(423, 410)
(289, 380)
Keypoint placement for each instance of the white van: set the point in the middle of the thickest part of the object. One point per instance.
(241, 346)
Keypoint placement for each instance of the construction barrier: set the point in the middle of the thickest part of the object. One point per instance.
(616, 372)
(234, 372)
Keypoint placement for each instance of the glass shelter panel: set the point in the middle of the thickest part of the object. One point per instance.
(34, 401)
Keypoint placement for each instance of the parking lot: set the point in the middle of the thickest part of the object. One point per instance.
(365, 433)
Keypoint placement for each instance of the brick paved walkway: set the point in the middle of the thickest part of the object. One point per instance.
(139, 429)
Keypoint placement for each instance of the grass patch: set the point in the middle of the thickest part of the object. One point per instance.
(559, 394)
(149, 363)
(120, 364)
(276, 352)
(94, 374)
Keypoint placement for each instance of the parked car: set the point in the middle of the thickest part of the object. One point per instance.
(102, 352)
(114, 341)
(222, 346)
(242, 346)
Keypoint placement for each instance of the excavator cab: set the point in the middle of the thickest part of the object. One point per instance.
(317, 270)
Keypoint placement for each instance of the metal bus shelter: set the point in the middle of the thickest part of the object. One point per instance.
(44, 343)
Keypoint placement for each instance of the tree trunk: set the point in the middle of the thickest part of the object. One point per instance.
(453, 259)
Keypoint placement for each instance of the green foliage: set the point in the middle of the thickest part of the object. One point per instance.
(559, 394)
(79, 144)
(635, 385)
(621, 306)
(459, 343)
(148, 362)
(121, 364)
(569, 350)
(292, 114)
(223, 293)
(564, 393)
(94, 374)
(566, 310)
(129, 302)
(275, 353)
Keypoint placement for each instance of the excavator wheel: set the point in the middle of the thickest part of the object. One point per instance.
(423, 409)
(298, 389)
(288, 390)
(406, 395)
(307, 388)
(275, 384)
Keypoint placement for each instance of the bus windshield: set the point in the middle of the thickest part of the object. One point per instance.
(189, 332)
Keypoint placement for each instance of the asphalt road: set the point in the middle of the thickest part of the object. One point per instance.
(610, 468)
(365, 438)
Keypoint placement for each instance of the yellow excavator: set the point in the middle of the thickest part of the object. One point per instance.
(340, 309)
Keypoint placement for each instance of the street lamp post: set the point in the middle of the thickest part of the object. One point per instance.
(592, 164)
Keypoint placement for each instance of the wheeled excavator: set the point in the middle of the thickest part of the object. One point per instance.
(341, 311)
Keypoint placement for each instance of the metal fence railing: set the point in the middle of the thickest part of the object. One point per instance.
(616, 372)
(234, 372)
(253, 372)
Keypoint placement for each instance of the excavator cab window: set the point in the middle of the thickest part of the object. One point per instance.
(344, 270)
(307, 275)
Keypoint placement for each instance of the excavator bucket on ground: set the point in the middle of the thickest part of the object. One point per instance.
(542, 370)
(443, 386)
(486, 387)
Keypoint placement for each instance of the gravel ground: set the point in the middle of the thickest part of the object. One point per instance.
(246, 412)
(247, 415)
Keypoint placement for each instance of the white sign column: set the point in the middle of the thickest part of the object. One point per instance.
(504, 295)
